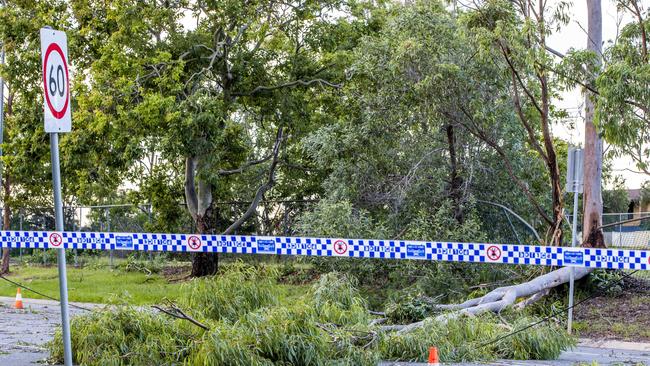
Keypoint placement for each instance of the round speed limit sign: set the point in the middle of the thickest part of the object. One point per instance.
(56, 81)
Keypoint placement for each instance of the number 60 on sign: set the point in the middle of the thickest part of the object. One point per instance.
(56, 81)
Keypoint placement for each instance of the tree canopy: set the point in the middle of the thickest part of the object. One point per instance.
(415, 121)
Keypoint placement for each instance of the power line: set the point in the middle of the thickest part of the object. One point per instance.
(40, 293)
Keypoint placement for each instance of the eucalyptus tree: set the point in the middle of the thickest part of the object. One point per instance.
(513, 34)
(220, 104)
(592, 235)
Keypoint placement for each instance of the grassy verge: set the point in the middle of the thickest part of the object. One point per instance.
(100, 284)
(92, 285)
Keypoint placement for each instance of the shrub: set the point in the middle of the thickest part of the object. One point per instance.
(410, 307)
(544, 342)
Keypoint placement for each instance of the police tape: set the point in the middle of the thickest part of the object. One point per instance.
(332, 247)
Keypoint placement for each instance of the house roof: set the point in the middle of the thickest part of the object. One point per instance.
(634, 194)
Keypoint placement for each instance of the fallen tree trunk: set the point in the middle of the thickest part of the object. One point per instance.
(498, 299)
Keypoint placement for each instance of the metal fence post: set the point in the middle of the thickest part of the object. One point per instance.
(20, 227)
(108, 228)
(149, 207)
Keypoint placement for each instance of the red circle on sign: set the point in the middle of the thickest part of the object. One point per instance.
(194, 242)
(56, 239)
(494, 252)
(54, 47)
(340, 247)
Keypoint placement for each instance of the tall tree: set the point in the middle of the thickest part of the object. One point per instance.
(514, 35)
(592, 235)
(223, 103)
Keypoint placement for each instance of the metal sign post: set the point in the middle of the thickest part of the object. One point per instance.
(573, 184)
(57, 118)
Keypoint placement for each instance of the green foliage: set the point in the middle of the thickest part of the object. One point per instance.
(466, 339)
(544, 342)
(616, 199)
(328, 325)
(46, 257)
(645, 193)
(339, 219)
(623, 98)
(608, 282)
(337, 300)
(235, 291)
(409, 307)
(126, 336)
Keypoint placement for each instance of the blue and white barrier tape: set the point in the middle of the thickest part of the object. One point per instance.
(330, 247)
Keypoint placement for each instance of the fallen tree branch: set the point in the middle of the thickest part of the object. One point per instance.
(498, 299)
(533, 299)
(176, 312)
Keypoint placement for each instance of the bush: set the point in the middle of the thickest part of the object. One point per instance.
(543, 342)
(337, 300)
(411, 306)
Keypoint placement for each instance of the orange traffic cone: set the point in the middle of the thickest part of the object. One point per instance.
(19, 299)
(433, 356)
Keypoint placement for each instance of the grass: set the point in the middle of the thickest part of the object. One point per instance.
(92, 285)
(625, 318)
(101, 284)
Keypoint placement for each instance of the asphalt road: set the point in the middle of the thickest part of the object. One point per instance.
(23, 334)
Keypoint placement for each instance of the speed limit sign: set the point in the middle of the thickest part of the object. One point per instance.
(56, 81)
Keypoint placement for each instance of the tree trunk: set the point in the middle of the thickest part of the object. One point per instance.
(4, 266)
(204, 264)
(592, 236)
(455, 180)
(6, 222)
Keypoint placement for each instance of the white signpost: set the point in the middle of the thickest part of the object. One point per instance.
(57, 115)
(573, 184)
(56, 81)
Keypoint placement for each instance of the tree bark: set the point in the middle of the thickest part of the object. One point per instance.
(204, 264)
(498, 299)
(198, 203)
(455, 180)
(592, 235)
(4, 266)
